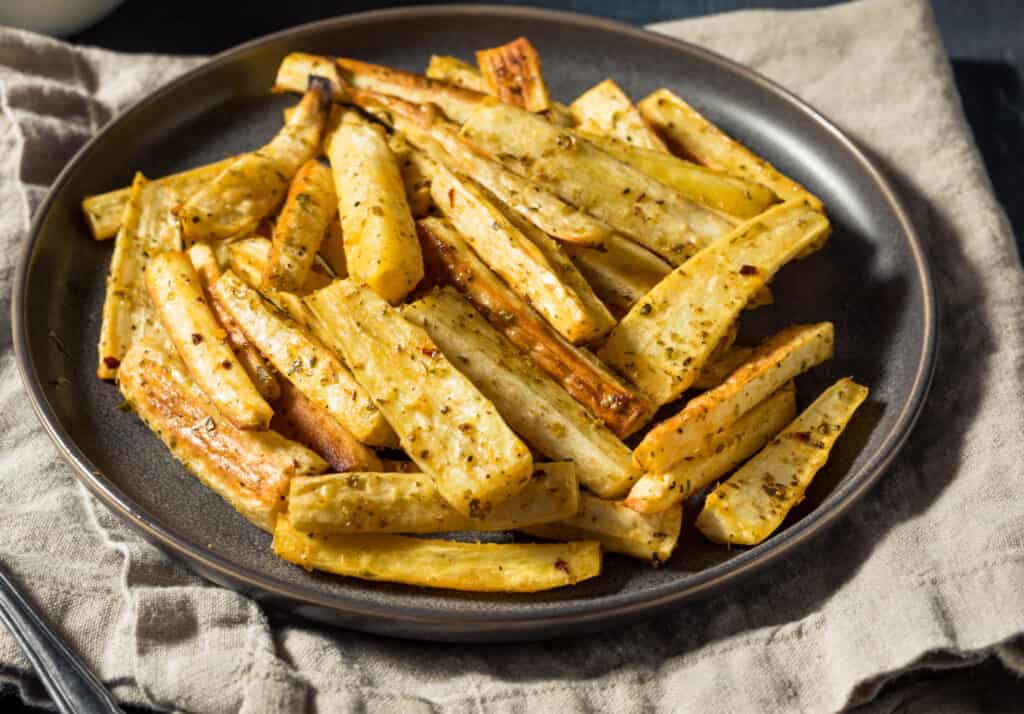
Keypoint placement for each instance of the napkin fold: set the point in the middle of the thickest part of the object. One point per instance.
(926, 571)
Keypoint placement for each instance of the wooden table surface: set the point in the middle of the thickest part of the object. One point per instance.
(985, 42)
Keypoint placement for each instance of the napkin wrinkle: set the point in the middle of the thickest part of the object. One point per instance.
(901, 597)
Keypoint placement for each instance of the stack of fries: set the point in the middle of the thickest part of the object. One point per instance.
(444, 303)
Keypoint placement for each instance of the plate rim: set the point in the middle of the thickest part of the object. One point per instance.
(455, 624)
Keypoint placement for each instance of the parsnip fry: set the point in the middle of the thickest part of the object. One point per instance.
(248, 259)
(104, 211)
(665, 340)
(619, 529)
(567, 272)
(753, 502)
(409, 503)
(332, 250)
(697, 138)
(719, 367)
(622, 272)
(381, 248)
(531, 403)
(513, 256)
(177, 294)
(476, 567)
(445, 425)
(453, 70)
(255, 183)
(729, 195)
(578, 372)
(147, 229)
(625, 198)
(309, 208)
(296, 68)
(249, 469)
(604, 109)
(456, 102)
(300, 418)
(762, 298)
(303, 360)
(208, 268)
(735, 444)
(512, 73)
(777, 360)
(439, 139)
(417, 171)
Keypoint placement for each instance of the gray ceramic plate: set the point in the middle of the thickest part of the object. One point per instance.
(871, 280)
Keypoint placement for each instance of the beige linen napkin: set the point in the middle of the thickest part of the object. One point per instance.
(928, 570)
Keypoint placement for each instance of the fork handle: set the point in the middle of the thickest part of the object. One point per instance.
(73, 688)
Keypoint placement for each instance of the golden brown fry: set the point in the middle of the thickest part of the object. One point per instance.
(444, 423)
(247, 258)
(104, 211)
(177, 294)
(417, 171)
(622, 272)
(752, 503)
(697, 138)
(566, 270)
(534, 406)
(736, 198)
(732, 446)
(762, 298)
(381, 248)
(604, 109)
(207, 267)
(462, 74)
(776, 361)
(299, 357)
(332, 250)
(477, 567)
(410, 503)
(512, 73)
(296, 68)
(720, 366)
(147, 229)
(249, 469)
(667, 338)
(517, 259)
(585, 379)
(255, 183)
(453, 70)
(308, 210)
(456, 102)
(625, 198)
(300, 418)
(619, 529)
(439, 139)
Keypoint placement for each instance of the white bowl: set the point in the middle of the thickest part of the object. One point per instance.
(54, 17)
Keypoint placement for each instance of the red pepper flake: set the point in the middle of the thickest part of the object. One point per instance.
(451, 197)
(112, 362)
(430, 351)
(562, 565)
(748, 270)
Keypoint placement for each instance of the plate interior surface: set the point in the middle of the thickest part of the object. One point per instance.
(870, 281)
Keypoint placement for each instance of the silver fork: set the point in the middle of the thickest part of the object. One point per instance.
(73, 688)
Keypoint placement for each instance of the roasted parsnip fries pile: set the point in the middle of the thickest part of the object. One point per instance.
(441, 303)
